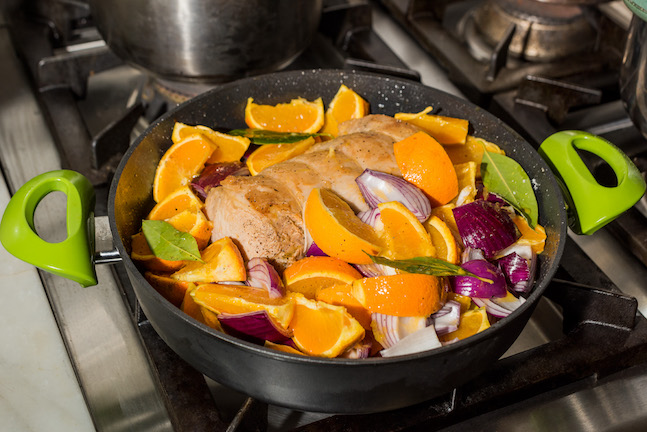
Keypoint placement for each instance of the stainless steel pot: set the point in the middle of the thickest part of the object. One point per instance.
(207, 41)
(633, 74)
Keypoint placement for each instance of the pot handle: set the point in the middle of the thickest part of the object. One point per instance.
(72, 258)
(591, 205)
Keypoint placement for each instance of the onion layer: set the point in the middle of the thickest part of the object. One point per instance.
(473, 287)
(389, 330)
(446, 320)
(422, 340)
(378, 187)
(500, 307)
(483, 225)
(262, 274)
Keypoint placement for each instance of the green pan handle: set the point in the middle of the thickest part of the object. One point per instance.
(73, 257)
(590, 204)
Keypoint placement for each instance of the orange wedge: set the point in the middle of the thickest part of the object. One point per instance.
(342, 295)
(405, 294)
(312, 274)
(446, 130)
(536, 238)
(465, 301)
(321, 329)
(222, 261)
(171, 289)
(237, 299)
(181, 162)
(446, 214)
(194, 223)
(424, 162)
(299, 115)
(230, 148)
(403, 234)
(176, 202)
(336, 229)
(271, 154)
(443, 239)
(190, 307)
(142, 253)
(344, 106)
(472, 322)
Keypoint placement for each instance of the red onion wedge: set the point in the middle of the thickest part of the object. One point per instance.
(422, 340)
(314, 250)
(446, 320)
(474, 287)
(483, 225)
(262, 274)
(255, 326)
(519, 271)
(378, 187)
(388, 330)
(500, 307)
(213, 174)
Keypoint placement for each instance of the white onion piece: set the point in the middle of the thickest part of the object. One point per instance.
(500, 307)
(360, 350)
(378, 187)
(422, 340)
(449, 342)
(370, 217)
(389, 329)
(373, 270)
(470, 254)
(262, 274)
(446, 320)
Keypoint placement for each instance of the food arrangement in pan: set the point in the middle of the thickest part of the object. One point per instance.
(336, 232)
(334, 271)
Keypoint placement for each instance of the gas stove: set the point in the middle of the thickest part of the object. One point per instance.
(585, 346)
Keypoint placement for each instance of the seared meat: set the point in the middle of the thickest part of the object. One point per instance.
(263, 214)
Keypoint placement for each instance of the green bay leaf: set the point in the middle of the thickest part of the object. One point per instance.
(260, 137)
(426, 265)
(168, 243)
(506, 178)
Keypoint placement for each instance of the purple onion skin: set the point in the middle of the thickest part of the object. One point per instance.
(483, 225)
(212, 175)
(473, 287)
(315, 250)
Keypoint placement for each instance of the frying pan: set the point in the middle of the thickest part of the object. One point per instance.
(300, 382)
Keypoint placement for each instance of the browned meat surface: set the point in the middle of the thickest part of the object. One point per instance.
(263, 214)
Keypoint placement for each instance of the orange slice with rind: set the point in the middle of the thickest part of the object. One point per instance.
(405, 294)
(238, 299)
(323, 330)
(299, 115)
(336, 229)
(345, 105)
(403, 234)
(171, 289)
(221, 261)
(176, 202)
(342, 295)
(312, 274)
(230, 148)
(443, 239)
(271, 154)
(194, 223)
(181, 162)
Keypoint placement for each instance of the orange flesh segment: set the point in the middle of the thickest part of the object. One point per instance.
(446, 130)
(312, 274)
(299, 115)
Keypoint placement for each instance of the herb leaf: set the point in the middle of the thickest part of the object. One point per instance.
(260, 137)
(168, 243)
(505, 177)
(426, 265)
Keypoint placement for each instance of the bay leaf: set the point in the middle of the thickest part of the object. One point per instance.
(168, 243)
(505, 177)
(260, 137)
(426, 265)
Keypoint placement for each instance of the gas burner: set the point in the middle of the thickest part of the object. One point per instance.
(540, 32)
